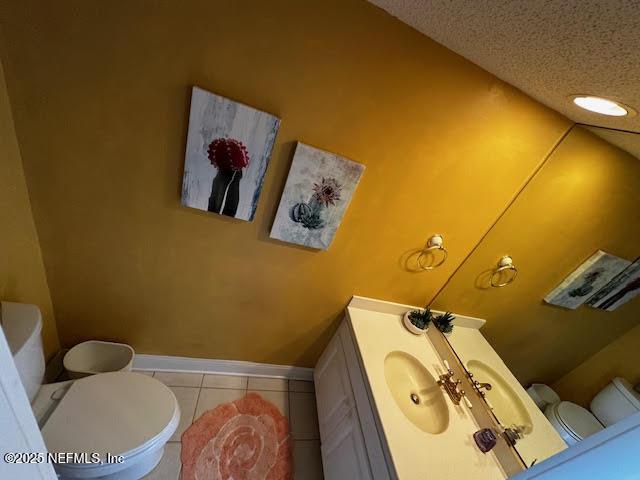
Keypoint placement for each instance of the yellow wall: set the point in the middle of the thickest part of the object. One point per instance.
(101, 96)
(585, 198)
(620, 358)
(22, 275)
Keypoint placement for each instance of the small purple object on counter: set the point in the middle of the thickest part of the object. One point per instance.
(485, 439)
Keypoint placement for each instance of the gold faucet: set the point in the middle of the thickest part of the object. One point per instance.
(450, 386)
(479, 386)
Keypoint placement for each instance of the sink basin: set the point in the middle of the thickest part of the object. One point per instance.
(416, 392)
(507, 406)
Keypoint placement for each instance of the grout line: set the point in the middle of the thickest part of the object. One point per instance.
(266, 390)
(195, 410)
(182, 386)
(227, 388)
(193, 418)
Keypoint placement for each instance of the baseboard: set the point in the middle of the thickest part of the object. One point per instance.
(164, 363)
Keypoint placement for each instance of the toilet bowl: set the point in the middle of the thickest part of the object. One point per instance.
(125, 414)
(572, 421)
(613, 403)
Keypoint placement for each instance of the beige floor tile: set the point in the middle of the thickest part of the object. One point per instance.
(265, 383)
(179, 379)
(144, 372)
(307, 460)
(224, 381)
(187, 398)
(212, 397)
(169, 466)
(304, 416)
(300, 386)
(279, 399)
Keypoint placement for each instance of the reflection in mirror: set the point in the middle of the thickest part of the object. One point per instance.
(503, 400)
(579, 365)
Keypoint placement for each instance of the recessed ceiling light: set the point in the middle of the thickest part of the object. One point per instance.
(602, 106)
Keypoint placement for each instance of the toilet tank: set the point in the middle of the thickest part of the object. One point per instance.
(22, 325)
(615, 402)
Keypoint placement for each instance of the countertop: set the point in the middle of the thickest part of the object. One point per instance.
(415, 454)
(543, 441)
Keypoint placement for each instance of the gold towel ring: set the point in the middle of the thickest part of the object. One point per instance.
(505, 263)
(436, 242)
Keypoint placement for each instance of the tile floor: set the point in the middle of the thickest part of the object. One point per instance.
(197, 393)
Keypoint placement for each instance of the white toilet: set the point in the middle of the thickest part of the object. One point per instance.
(121, 413)
(613, 403)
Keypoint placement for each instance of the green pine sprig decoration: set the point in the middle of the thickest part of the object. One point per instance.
(444, 322)
(421, 318)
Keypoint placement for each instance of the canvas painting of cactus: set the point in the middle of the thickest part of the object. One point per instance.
(316, 195)
(228, 149)
(592, 275)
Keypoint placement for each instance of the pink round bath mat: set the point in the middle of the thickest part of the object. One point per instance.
(247, 439)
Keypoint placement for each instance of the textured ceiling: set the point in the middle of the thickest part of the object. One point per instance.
(549, 49)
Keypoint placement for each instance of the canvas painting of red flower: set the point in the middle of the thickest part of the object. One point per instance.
(315, 198)
(228, 149)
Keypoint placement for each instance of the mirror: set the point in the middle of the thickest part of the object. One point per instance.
(585, 197)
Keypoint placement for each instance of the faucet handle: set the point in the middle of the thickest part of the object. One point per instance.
(446, 365)
(466, 399)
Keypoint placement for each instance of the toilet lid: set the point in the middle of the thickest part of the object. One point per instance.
(577, 419)
(627, 391)
(116, 413)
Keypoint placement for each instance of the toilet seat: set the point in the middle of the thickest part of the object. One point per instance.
(577, 421)
(120, 413)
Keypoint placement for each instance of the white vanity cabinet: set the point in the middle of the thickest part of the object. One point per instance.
(343, 451)
(350, 444)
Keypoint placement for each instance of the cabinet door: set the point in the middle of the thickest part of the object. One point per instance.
(334, 396)
(343, 453)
